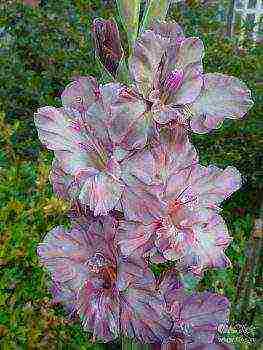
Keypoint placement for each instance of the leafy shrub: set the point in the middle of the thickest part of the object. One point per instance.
(41, 49)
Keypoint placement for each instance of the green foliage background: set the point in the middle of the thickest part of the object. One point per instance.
(41, 50)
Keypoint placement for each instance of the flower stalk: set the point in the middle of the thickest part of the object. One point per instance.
(138, 194)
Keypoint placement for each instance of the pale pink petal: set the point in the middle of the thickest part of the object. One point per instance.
(130, 122)
(222, 97)
(143, 314)
(196, 317)
(170, 32)
(101, 192)
(140, 196)
(212, 238)
(211, 185)
(133, 237)
(191, 51)
(65, 256)
(164, 114)
(75, 149)
(205, 312)
(146, 58)
(99, 310)
(80, 94)
(64, 185)
(173, 157)
(191, 85)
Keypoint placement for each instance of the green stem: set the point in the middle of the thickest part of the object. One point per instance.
(128, 344)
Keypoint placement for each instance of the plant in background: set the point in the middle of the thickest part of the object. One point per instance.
(125, 162)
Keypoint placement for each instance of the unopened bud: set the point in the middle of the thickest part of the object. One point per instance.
(107, 44)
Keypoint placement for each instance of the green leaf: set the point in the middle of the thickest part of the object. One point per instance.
(123, 72)
(189, 281)
(129, 12)
(130, 344)
(155, 11)
(106, 77)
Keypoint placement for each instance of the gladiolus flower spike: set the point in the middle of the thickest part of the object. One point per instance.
(125, 163)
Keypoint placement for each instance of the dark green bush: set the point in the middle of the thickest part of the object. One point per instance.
(41, 50)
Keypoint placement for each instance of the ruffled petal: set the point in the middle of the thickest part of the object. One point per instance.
(140, 196)
(172, 290)
(64, 185)
(174, 156)
(143, 315)
(191, 85)
(75, 148)
(139, 202)
(135, 238)
(205, 312)
(163, 114)
(80, 94)
(209, 186)
(191, 50)
(147, 55)
(196, 317)
(101, 192)
(65, 255)
(222, 97)
(211, 238)
(99, 310)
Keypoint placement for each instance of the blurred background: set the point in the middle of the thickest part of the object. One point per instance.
(43, 46)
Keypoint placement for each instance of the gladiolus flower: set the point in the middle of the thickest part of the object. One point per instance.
(188, 229)
(170, 86)
(111, 294)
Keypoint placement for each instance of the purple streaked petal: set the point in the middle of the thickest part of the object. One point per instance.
(64, 185)
(75, 149)
(170, 32)
(65, 257)
(80, 94)
(174, 80)
(173, 157)
(99, 310)
(172, 289)
(134, 238)
(140, 196)
(212, 185)
(205, 312)
(130, 121)
(199, 315)
(146, 58)
(191, 85)
(101, 192)
(163, 114)
(143, 314)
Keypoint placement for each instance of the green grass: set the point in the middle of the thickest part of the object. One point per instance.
(28, 209)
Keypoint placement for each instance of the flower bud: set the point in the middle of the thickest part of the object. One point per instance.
(107, 44)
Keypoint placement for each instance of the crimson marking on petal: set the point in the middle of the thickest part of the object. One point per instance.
(174, 80)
